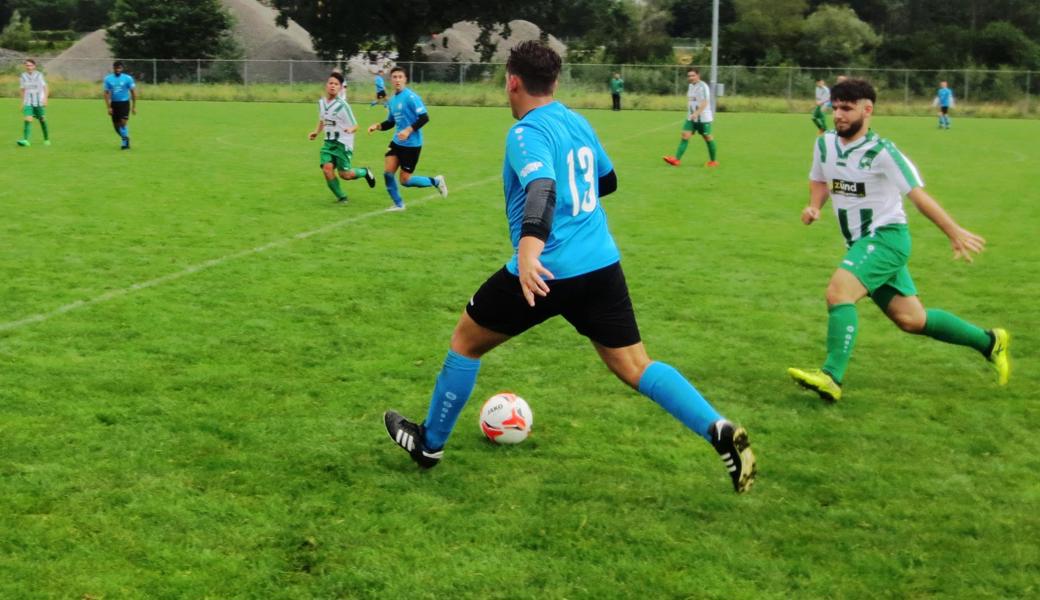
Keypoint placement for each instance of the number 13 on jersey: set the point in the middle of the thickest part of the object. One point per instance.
(586, 201)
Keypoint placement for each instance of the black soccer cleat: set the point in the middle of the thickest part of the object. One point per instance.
(731, 442)
(410, 436)
(370, 179)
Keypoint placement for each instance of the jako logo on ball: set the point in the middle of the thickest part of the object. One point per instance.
(506, 418)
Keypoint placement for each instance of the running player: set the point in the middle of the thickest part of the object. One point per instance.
(336, 120)
(698, 119)
(565, 262)
(407, 114)
(34, 102)
(866, 176)
(121, 101)
(823, 100)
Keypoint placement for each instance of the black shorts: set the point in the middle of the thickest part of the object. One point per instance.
(597, 304)
(120, 110)
(944, 109)
(407, 156)
(381, 94)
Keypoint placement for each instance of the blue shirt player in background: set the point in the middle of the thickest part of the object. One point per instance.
(380, 89)
(944, 100)
(564, 263)
(120, 100)
(407, 115)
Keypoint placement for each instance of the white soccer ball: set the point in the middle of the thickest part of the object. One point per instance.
(506, 418)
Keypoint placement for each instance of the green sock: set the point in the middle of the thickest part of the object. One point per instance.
(950, 328)
(360, 172)
(26, 130)
(334, 186)
(842, 326)
(682, 148)
(46, 135)
(711, 150)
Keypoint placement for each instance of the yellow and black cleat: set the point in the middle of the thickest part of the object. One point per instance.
(1000, 355)
(817, 381)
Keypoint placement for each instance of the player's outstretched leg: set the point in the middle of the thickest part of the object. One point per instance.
(842, 328)
(46, 132)
(666, 386)
(26, 132)
(391, 189)
(370, 179)
(731, 442)
(442, 185)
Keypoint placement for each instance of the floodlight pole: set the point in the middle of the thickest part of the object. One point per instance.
(714, 52)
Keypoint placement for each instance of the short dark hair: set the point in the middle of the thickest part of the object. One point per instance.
(117, 65)
(853, 90)
(337, 75)
(537, 66)
(399, 70)
(30, 60)
(693, 70)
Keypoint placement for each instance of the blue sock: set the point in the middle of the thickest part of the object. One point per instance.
(454, 385)
(391, 188)
(667, 387)
(124, 131)
(419, 181)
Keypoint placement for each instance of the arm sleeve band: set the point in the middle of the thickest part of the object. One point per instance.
(539, 208)
(607, 184)
(422, 120)
(387, 124)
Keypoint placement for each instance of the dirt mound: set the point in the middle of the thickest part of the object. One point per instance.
(458, 41)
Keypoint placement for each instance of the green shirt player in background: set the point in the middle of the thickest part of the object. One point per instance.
(866, 177)
(617, 85)
(698, 119)
(823, 100)
(336, 120)
(34, 102)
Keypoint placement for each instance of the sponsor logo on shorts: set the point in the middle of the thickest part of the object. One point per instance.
(849, 188)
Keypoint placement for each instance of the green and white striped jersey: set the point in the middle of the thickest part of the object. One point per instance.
(867, 180)
(337, 116)
(696, 95)
(34, 88)
(823, 95)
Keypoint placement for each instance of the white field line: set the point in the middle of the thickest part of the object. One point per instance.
(216, 262)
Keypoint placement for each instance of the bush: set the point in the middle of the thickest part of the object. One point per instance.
(18, 33)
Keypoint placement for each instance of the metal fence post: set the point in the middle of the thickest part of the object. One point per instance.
(906, 87)
(155, 72)
(1028, 73)
(245, 72)
(291, 80)
(734, 92)
(790, 76)
(967, 85)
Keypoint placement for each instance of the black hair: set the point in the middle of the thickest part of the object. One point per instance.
(399, 69)
(853, 90)
(31, 60)
(117, 65)
(537, 66)
(337, 75)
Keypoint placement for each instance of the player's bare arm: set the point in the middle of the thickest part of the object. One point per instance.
(818, 194)
(133, 101)
(317, 130)
(530, 269)
(963, 242)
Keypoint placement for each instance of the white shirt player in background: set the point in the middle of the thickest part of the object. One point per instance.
(699, 118)
(337, 124)
(866, 177)
(823, 101)
(34, 102)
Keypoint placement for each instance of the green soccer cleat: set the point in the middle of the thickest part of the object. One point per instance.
(1000, 355)
(23, 143)
(46, 142)
(818, 381)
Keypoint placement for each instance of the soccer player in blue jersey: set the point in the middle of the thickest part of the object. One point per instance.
(407, 115)
(564, 263)
(380, 89)
(121, 101)
(944, 100)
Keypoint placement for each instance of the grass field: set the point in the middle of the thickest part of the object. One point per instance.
(197, 345)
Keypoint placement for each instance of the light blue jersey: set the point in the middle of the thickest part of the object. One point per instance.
(553, 142)
(380, 85)
(405, 107)
(945, 96)
(119, 86)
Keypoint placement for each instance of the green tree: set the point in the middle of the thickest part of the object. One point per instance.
(766, 31)
(1001, 43)
(189, 29)
(834, 36)
(17, 34)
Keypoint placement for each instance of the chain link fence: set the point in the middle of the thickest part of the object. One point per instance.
(1003, 85)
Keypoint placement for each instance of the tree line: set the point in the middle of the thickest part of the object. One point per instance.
(915, 34)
